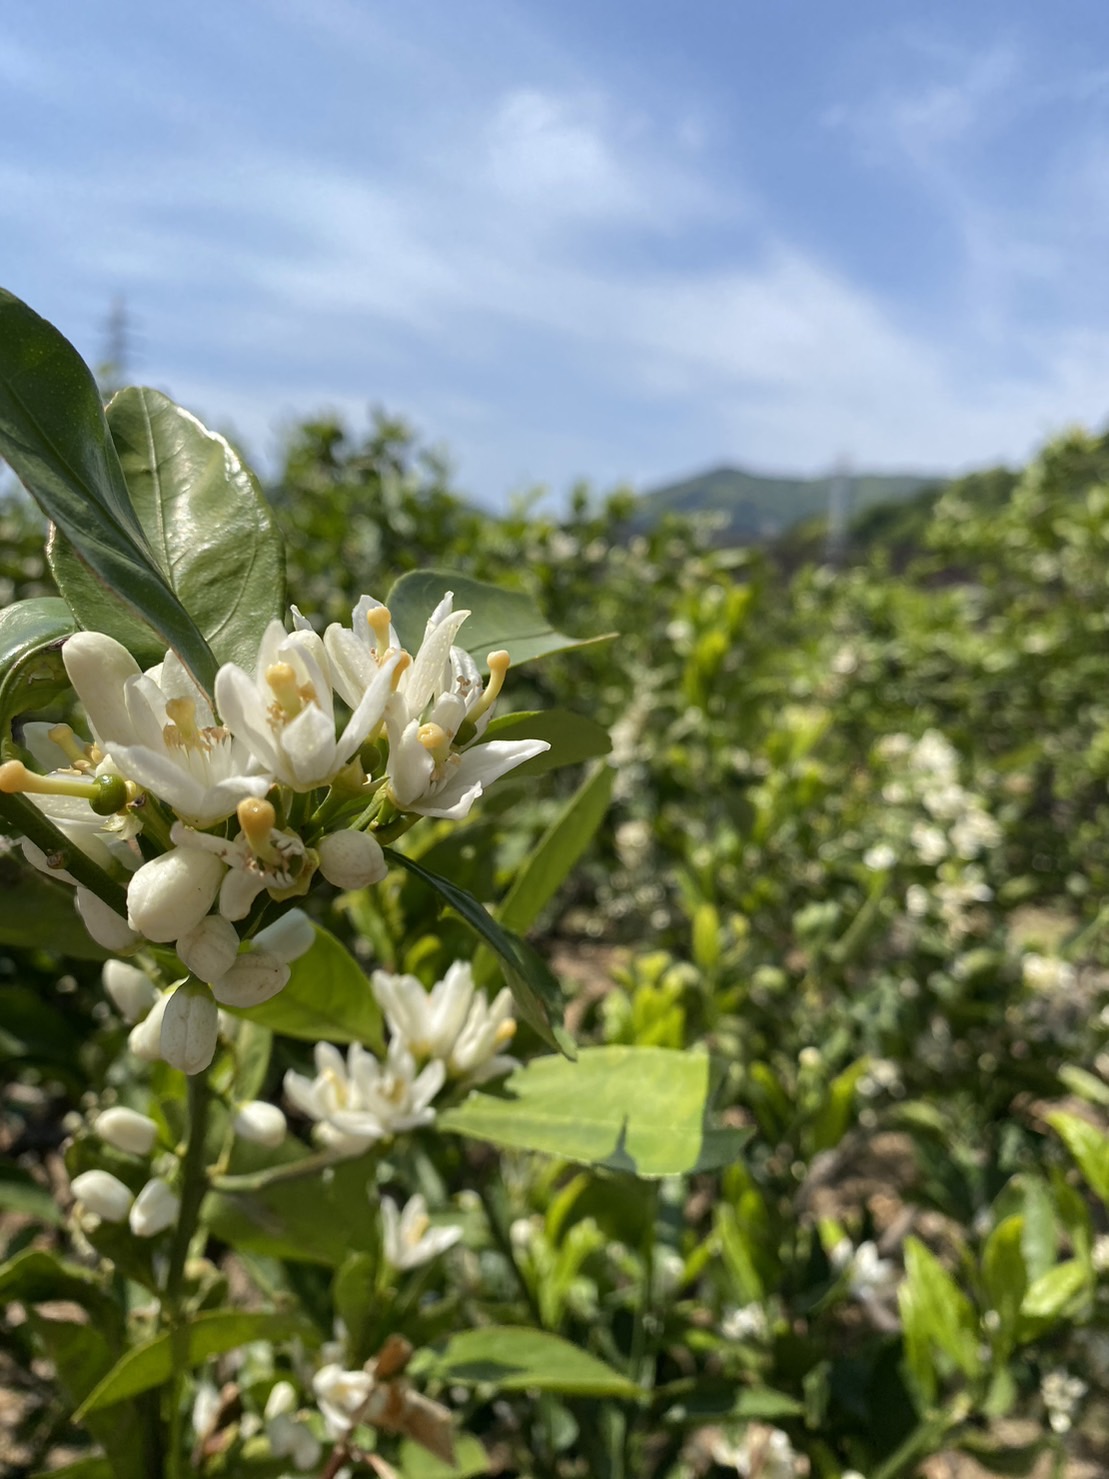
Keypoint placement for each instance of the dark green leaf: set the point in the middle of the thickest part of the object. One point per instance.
(534, 988)
(549, 865)
(206, 1335)
(53, 432)
(499, 618)
(572, 738)
(31, 669)
(36, 911)
(81, 1356)
(470, 1460)
(308, 1218)
(207, 525)
(513, 1359)
(1090, 1148)
(643, 1110)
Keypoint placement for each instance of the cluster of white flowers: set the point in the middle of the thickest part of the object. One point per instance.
(451, 1031)
(871, 1279)
(1062, 1394)
(214, 789)
(1047, 973)
(156, 1205)
(931, 814)
(759, 1452)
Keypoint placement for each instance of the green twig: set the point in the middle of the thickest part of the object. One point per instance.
(26, 819)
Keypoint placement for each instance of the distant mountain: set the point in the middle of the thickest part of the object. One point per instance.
(753, 506)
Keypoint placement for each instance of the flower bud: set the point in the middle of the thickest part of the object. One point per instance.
(155, 1209)
(109, 929)
(253, 979)
(132, 991)
(145, 1040)
(209, 948)
(103, 1194)
(262, 1123)
(190, 1027)
(289, 937)
(172, 893)
(126, 1130)
(352, 859)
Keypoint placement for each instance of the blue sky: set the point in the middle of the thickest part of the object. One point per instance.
(619, 241)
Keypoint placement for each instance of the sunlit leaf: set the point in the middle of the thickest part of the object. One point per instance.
(643, 1110)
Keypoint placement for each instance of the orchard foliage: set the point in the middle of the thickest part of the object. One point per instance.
(819, 1182)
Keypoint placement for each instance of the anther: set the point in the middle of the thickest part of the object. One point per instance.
(282, 679)
(75, 752)
(378, 620)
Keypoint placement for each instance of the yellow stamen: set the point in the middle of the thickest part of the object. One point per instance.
(182, 713)
(258, 819)
(505, 1033)
(76, 753)
(404, 661)
(16, 779)
(435, 740)
(282, 678)
(420, 1226)
(378, 621)
(498, 665)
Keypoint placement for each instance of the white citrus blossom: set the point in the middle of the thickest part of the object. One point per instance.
(132, 991)
(435, 697)
(254, 977)
(408, 1237)
(154, 1209)
(289, 1438)
(260, 1123)
(102, 1194)
(359, 1102)
(452, 1022)
(286, 712)
(127, 1130)
(109, 929)
(439, 693)
(210, 948)
(160, 732)
(289, 937)
(145, 1038)
(350, 859)
(262, 856)
(341, 1396)
(190, 1027)
(171, 894)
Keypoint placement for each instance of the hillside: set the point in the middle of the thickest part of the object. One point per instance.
(755, 506)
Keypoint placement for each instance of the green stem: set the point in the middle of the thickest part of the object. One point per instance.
(503, 1240)
(194, 1186)
(30, 822)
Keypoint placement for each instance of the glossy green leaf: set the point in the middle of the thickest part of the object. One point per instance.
(31, 669)
(54, 435)
(935, 1315)
(81, 1356)
(34, 910)
(1052, 1294)
(498, 618)
(470, 1460)
(208, 527)
(1004, 1273)
(572, 738)
(533, 987)
(557, 852)
(20, 1192)
(643, 1110)
(1089, 1146)
(328, 998)
(206, 1336)
(307, 1218)
(514, 1359)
